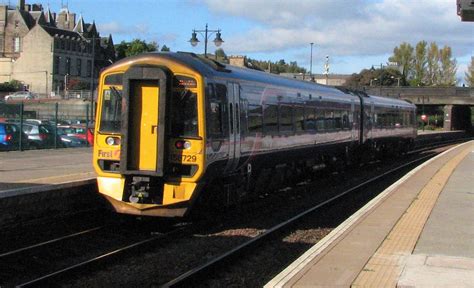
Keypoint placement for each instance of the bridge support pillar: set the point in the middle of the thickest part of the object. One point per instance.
(457, 117)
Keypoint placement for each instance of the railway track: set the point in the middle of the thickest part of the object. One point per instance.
(199, 270)
(48, 278)
(223, 261)
(44, 261)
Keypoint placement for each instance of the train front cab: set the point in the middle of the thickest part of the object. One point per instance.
(149, 139)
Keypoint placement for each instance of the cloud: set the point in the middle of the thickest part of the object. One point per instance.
(137, 31)
(115, 27)
(344, 28)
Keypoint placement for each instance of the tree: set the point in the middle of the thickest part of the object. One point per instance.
(419, 64)
(137, 46)
(165, 48)
(276, 67)
(403, 55)
(220, 54)
(376, 77)
(432, 74)
(470, 74)
(448, 67)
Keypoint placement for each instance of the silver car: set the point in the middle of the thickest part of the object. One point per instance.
(21, 95)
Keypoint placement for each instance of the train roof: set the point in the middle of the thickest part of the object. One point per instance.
(213, 69)
(390, 102)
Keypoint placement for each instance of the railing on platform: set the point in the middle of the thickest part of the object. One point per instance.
(49, 114)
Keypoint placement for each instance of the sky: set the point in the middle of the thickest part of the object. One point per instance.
(355, 34)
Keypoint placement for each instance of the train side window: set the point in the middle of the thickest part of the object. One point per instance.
(310, 123)
(215, 104)
(286, 122)
(320, 125)
(329, 120)
(337, 120)
(255, 118)
(299, 118)
(270, 119)
(345, 120)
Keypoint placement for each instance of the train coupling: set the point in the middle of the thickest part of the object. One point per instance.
(140, 189)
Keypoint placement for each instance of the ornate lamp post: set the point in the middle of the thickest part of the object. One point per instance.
(217, 41)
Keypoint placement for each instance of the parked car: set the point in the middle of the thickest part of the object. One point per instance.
(67, 140)
(80, 131)
(20, 95)
(41, 136)
(10, 137)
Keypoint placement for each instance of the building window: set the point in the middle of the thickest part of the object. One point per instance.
(57, 61)
(68, 65)
(16, 44)
(73, 46)
(79, 67)
(68, 45)
(63, 44)
(89, 67)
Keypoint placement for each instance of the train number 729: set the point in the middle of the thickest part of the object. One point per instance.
(183, 158)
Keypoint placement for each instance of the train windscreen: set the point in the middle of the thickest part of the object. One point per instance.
(110, 118)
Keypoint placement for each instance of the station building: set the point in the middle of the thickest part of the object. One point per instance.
(50, 52)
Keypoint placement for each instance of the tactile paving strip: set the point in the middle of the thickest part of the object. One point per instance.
(385, 266)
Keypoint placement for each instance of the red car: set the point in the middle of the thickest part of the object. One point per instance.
(80, 131)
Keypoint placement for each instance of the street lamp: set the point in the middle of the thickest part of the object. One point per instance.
(217, 41)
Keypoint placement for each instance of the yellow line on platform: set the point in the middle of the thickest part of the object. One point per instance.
(47, 180)
(384, 268)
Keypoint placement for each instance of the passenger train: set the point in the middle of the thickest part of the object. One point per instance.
(175, 129)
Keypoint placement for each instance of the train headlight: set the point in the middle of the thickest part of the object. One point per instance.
(181, 144)
(112, 141)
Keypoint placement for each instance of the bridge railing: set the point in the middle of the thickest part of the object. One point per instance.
(399, 92)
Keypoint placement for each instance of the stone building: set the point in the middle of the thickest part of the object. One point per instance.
(48, 52)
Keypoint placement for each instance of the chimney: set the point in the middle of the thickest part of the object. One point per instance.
(21, 5)
(238, 60)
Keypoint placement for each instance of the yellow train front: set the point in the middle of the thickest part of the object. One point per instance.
(149, 139)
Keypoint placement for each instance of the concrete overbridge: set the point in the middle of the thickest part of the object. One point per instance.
(456, 101)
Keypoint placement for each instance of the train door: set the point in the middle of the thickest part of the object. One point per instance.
(233, 90)
(143, 126)
(370, 121)
(352, 120)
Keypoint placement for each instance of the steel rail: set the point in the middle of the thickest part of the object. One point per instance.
(50, 241)
(42, 279)
(206, 267)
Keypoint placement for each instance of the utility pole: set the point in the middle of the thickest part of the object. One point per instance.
(311, 63)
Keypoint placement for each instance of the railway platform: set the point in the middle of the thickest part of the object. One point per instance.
(45, 183)
(419, 232)
(34, 171)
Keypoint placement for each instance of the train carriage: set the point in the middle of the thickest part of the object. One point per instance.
(171, 127)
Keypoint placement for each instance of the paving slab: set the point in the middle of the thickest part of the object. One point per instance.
(27, 171)
(444, 254)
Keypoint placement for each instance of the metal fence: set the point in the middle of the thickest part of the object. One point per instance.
(51, 115)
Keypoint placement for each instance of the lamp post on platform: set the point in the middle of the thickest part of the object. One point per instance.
(207, 32)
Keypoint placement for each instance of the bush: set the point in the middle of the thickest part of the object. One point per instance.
(12, 86)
